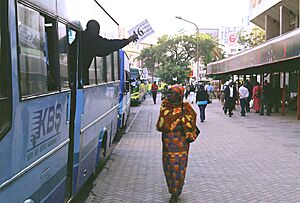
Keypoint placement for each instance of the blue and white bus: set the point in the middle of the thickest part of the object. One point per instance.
(53, 130)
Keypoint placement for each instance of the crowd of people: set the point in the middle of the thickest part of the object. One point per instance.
(260, 96)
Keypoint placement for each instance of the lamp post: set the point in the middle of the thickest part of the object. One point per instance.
(197, 45)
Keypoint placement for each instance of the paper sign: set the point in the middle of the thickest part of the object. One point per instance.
(143, 30)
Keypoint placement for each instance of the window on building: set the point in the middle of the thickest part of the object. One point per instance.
(37, 34)
(63, 55)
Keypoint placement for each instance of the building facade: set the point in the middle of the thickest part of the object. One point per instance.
(276, 60)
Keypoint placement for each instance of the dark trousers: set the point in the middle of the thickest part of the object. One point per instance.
(154, 97)
(248, 104)
(229, 105)
(266, 103)
(202, 112)
(243, 103)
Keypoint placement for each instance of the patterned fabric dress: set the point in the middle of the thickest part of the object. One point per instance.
(177, 127)
(175, 157)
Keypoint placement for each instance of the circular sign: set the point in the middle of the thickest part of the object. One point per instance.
(232, 38)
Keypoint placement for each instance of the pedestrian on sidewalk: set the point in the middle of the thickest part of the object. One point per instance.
(154, 89)
(177, 122)
(202, 99)
(210, 90)
(230, 98)
(222, 96)
(192, 93)
(244, 94)
(256, 96)
(267, 99)
(249, 86)
(187, 91)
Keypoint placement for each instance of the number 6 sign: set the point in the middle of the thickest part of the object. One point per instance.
(142, 30)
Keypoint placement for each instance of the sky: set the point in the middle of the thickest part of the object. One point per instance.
(161, 13)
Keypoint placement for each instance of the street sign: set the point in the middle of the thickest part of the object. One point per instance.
(142, 30)
(232, 39)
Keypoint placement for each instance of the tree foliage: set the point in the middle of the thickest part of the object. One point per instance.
(253, 38)
(171, 56)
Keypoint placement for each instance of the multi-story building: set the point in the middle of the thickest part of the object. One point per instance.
(277, 60)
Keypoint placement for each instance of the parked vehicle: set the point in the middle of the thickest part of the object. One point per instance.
(54, 130)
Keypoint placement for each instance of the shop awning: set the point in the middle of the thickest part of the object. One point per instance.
(280, 54)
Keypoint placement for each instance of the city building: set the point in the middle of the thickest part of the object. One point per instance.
(276, 60)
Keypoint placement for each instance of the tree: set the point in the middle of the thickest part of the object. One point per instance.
(253, 38)
(172, 55)
(172, 74)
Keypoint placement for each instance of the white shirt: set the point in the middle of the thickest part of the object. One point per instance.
(244, 93)
(230, 91)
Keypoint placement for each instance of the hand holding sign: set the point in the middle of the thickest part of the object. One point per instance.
(133, 38)
(141, 30)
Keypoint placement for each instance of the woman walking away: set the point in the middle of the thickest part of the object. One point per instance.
(256, 96)
(202, 101)
(177, 122)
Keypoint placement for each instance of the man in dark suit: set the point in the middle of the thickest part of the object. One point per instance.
(230, 98)
(267, 98)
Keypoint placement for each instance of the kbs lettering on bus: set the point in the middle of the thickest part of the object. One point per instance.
(44, 130)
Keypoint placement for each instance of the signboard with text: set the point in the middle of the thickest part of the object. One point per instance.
(142, 30)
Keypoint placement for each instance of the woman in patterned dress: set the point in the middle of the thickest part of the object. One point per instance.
(177, 122)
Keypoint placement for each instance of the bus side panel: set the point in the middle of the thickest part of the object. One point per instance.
(38, 148)
(99, 103)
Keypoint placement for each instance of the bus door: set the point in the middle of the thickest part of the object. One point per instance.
(75, 106)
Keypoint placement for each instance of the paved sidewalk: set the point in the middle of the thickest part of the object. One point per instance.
(238, 159)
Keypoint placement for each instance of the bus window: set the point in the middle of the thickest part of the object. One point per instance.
(37, 52)
(116, 65)
(72, 65)
(101, 76)
(63, 55)
(92, 73)
(109, 68)
(5, 94)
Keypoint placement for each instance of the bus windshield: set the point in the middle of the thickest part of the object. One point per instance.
(134, 74)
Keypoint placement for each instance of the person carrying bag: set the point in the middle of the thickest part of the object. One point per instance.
(202, 99)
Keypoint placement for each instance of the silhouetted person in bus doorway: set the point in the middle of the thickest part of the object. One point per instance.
(91, 44)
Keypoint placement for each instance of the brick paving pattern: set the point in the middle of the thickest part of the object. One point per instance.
(248, 159)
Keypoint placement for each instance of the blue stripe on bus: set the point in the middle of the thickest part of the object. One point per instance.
(50, 186)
